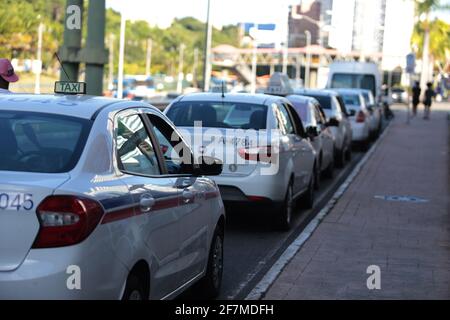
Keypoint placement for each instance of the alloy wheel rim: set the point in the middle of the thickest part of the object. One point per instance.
(135, 295)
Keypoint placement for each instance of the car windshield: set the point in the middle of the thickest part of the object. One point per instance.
(348, 80)
(351, 100)
(214, 114)
(324, 101)
(37, 142)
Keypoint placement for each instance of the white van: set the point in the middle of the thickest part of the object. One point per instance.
(356, 75)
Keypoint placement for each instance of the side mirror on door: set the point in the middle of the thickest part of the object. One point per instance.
(352, 113)
(208, 166)
(312, 132)
(333, 122)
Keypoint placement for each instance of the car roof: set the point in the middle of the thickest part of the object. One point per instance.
(316, 92)
(350, 91)
(230, 97)
(301, 99)
(80, 106)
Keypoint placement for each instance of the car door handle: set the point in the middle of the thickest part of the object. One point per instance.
(188, 196)
(146, 203)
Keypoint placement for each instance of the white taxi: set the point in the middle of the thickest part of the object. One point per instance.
(95, 203)
(267, 155)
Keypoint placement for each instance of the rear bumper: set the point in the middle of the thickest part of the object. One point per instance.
(255, 188)
(360, 132)
(50, 274)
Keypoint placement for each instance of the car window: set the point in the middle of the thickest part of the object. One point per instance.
(325, 101)
(38, 142)
(319, 115)
(177, 156)
(351, 99)
(215, 114)
(286, 119)
(135, 151)
(349, 80)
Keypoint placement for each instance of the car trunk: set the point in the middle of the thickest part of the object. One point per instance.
(20, 195)
(223, 144)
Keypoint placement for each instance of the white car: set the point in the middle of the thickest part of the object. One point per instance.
(268, 157)
(337, 120)
(315, 124)
(374, 111)
(359, 116)
(92, 205)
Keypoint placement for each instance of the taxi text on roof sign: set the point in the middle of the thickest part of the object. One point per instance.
(65, 87)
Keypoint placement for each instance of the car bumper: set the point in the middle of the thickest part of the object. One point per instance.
(255, 188)
(52, 274)
(360, 132)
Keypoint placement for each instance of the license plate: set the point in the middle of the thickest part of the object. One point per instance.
(16, 201)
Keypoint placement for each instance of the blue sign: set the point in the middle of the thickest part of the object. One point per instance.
(410, 63)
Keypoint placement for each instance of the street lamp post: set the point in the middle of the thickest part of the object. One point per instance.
(180, 69)
(148, 64)
(123, 22)
(37, 88)
(207, 56)
(308, 58)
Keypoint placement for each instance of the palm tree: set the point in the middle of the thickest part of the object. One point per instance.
(424, 9)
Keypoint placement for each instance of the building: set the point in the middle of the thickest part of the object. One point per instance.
(373, 27)
(297, 28)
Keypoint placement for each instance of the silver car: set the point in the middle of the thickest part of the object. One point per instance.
(268, 158)
(337, 119)
(94, 203)
(314, 121)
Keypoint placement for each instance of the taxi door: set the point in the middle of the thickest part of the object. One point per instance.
(155, 223)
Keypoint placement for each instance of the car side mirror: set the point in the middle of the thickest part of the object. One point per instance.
(312, 132)
(333, 122)
(208, 166)
(351, 113)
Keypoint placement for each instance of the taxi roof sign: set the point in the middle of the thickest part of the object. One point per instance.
(279, 85)
(67, 87)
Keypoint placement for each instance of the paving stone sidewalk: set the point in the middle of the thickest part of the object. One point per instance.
(409, 241)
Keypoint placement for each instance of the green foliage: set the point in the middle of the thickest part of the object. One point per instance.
(439, 38)
(19, 21)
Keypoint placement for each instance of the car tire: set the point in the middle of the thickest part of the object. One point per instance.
(340, 158)
(134, 289)
(317, 176)
(284, 214)
(348, 154)
(209, 286)
(329, 172)
(366, 145)
(308, 197)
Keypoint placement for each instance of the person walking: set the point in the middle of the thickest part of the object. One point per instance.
(7, 75)
(428, 99)
(416, 91)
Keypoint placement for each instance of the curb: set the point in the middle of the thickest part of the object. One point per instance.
(270, 277)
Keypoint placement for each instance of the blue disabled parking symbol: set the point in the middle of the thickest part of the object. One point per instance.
(402, 198)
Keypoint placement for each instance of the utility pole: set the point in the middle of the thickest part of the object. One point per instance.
(286, 51)
(207, 68)
(111, 62)
(308, 58)
(95, 55)
(37, 88)
(123, 23)
(69, 52)
(148, 63)
(254, 67)
(180, 69)
(195, 67)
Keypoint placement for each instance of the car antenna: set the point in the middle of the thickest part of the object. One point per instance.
(62, 67)
(223, 89)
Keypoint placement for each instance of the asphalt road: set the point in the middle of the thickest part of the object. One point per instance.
(252, 245)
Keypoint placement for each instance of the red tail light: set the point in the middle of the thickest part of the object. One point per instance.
(66, 220)
(360, 117)
(130, 96)
(259, 154)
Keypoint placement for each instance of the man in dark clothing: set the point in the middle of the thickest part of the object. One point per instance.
(428, 99)
(416, 91)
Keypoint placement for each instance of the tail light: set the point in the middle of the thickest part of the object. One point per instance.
(66, 220)
(259, 154)
(130, 96)
(360, 117)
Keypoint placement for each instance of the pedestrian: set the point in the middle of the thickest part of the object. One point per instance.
(416, 91)
(428, 99)
(387, 101)
(7, 75)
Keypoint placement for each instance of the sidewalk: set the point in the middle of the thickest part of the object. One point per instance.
(409, 241)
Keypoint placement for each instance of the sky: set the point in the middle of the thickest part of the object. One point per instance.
(162, 12)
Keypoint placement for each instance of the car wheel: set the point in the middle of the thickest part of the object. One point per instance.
(329, 172)
(348, 154)
(308, 198)
(284, 215)
(134, 290)
(212, 281)
(340, 158)
(317, 176)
